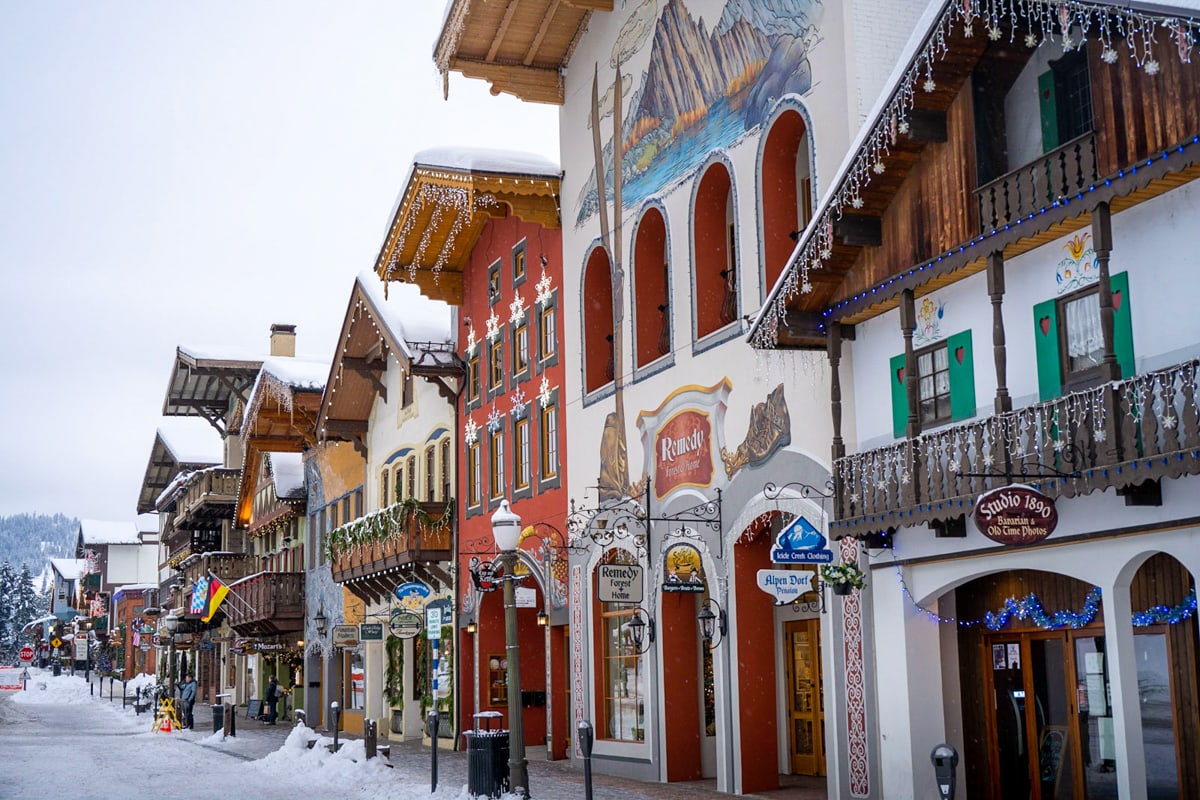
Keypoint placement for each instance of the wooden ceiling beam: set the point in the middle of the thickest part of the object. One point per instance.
(591, 5)
(534, 84)
(501, 30)
(536, 44)
(276, 444)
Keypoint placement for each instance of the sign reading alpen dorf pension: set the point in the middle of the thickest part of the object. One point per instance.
(1015, 515)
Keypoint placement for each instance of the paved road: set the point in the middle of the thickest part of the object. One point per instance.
(93, 749)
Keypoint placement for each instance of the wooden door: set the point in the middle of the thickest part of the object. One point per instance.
(806, 712)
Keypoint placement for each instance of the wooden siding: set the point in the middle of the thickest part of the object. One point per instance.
(1138, 115)
(930, 210)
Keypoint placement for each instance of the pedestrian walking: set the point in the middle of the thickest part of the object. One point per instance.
(187, 696)
(272, 697)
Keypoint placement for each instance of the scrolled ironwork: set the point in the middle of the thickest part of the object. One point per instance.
(806, 491)
(1071, 454)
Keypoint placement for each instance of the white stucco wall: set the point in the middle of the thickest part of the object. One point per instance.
(1152, 241)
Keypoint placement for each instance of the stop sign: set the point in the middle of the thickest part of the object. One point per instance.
(26, 653)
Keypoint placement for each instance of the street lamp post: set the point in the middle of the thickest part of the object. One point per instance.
(506, 529)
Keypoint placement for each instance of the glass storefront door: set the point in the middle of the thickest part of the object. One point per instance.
(806, 735)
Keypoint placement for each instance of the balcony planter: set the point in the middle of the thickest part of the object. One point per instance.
(842, 588)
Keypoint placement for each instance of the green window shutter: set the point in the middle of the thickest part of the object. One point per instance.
(1122, 324)
(899, 396)
(962, 376)
(1049, 108)
(1045, 340)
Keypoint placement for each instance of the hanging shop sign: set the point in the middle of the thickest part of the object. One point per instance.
(684, 570)
(785, 585)
(405, 624)
(619, 583)
(683, 453)
(1015, 515)
(801, 543)
(412, 595)
(345, 635)
(370, 631)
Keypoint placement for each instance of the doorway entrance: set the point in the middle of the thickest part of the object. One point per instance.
(806, 712)
(1052, 726)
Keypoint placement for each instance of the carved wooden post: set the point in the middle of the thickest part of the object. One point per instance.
(1110, 370)
(833, 343)
(912, 473)
(995, 279)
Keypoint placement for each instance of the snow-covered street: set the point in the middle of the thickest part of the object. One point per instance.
(59, 740)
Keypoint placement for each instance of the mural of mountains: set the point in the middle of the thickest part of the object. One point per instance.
(702, 89)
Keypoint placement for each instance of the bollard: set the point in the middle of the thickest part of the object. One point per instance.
(370, 734)
(433, 739)
(335, 713)
(586, 739)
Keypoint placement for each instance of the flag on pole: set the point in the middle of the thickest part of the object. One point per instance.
(216, 596)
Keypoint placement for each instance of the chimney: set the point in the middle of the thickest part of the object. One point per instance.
(283, 340)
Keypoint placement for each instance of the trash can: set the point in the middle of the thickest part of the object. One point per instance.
(487, 763)
(218, 712)
(57, 668)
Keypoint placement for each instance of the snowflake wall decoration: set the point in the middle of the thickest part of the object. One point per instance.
(519, 403)
(494, 420)
(471, 432)
(472, 342)
(516, 310)
(493, 327)
(545, 393)
(544, 290)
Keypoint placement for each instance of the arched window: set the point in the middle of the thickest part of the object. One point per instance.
(785, 192)
(598, 350)
(651, 305)
(431, 473)
(447, 489)
(714, 248)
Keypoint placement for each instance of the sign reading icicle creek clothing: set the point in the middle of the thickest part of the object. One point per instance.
(1015, 515)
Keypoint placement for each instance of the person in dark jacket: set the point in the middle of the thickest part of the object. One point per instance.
(187, 696)
(272, 697)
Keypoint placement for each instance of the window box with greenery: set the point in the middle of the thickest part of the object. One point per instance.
(389, 525)
(843, 577)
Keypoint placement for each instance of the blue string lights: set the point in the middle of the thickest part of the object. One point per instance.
(1030, 608)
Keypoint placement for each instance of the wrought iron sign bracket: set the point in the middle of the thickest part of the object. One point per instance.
(627, 518)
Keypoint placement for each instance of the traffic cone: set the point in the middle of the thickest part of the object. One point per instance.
(166, 726)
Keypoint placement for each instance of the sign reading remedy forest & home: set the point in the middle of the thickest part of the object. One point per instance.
(1015, 515)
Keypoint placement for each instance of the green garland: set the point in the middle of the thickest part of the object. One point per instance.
(394, 680)
(380, 525)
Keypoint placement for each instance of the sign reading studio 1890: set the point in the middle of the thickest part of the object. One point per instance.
(1015, 515)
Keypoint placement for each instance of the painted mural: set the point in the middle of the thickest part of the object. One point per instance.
(1081, 266)
(702, 85)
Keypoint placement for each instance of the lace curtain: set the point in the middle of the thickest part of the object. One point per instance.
(1085, 343)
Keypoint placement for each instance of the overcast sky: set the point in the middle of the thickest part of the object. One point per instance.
(189, 173)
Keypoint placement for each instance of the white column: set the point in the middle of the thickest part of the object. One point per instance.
(1126, 699)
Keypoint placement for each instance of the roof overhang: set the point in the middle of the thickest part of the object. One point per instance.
(202, 386)
(440, 215)
(520, 47)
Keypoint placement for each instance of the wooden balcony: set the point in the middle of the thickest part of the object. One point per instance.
(1062, 173)
(1123, 435)
(229, 567)
(211, 496)
(412, 538)
(266, 603)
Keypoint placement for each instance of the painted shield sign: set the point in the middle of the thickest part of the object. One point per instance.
(683, 450)
(1015, 515)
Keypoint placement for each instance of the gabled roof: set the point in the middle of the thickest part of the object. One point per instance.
(947, 44)
(447, 199)
(520, 47)
(416, 330)
(179, 445)
(71, 569)
(93, 531)
(287, 473)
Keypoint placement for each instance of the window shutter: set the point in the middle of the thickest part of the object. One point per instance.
(1122, 324)
(1049, 108)
(899, 396)
(962, 376)
(1045, 339)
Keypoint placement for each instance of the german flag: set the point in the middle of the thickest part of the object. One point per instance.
(216, 596)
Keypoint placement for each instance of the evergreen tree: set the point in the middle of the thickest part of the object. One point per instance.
(7, 587)
(26, 605)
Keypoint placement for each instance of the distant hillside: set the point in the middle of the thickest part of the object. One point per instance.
(31, 539)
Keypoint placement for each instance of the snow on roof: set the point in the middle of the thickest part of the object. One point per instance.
(219, 353)
(133, 587)
(408, 314)
(69, 568)
(298, 373)
(191, 440)
(146, 523)
(98, 532)
(485, 159)
(287, 469)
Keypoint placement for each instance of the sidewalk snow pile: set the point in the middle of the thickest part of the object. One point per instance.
(65, 689)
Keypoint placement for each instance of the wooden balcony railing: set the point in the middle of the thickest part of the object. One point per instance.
(397, 535)
(266, 603)
(1061, 173)
(211, 495)
(1118, 435)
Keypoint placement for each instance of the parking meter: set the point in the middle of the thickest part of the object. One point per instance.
(945, 768)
